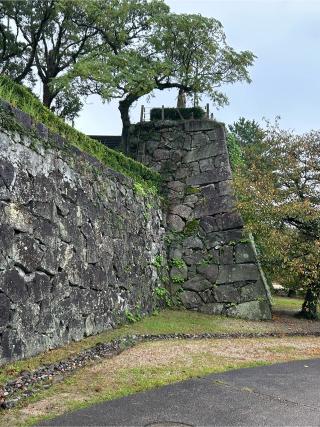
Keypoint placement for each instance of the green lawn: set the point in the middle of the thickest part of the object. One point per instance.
(283, 303)
(166, 322)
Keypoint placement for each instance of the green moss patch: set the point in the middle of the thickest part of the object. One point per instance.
(21, 98)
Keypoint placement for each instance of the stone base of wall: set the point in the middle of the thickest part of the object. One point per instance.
(213, 263)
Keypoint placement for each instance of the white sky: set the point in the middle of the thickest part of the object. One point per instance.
(284, 35)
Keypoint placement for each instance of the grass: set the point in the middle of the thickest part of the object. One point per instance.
(291, 304)
(155, 364)
(152, 364)
(21, 98)
(166, 322)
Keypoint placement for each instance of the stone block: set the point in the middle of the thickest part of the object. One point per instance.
(207, 296)
(4, 310)
(18, 218)
(182, 173)
(227, 293)
(180, 272)
(253, 310)
(151, 146)
(160, 154)
(220, 238)
(210, 191)
(212, 308)
(175, 252)
(7, 173)
(208, 177)
(244, 253)
(230, 220)
(193, 258)
(209, 271)
(237, 273)
(226, 255)
(191, 200)
(197, 284)
(252, 291)
(45, 231)
(222, 162)
(221, 222)
(226, 188)
(208, 224)
(191, 300)
(192, 242)
(202, 125)
(182, 210)
(200, 139)
(13, 284)
(39, 288)
(197, 154)
(27, 253)
(175, 223)
(206, 164)
(177, 186)
(176, 156)
(214, 205)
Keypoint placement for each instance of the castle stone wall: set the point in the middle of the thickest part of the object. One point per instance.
(77, 244)
(213, 263)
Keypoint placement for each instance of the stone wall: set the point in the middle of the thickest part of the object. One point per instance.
(77, 244)
(214, 267)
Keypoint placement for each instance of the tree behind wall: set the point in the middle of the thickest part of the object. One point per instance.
(278, 186)
(21, 26)
(121, 49)
(50, 37)
(165, 51)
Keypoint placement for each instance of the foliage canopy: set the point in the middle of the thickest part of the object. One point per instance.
(278, 185)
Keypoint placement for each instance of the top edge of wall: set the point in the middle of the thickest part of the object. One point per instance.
(187, 125)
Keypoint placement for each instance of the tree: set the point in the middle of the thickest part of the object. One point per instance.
(51, 37)
(21, 26)
(63, 41)
(122, 65)
(199, 61)
(244, 140)
(279, 196)
(246, 131)
(153, 49)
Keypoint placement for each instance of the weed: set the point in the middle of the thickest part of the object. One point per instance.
(132, 317)
(163, 296)
(178, 263)
(177, 279)
(191, 227)
(158, 261)
(192, 190)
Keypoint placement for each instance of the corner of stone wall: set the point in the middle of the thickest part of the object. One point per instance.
(213, 266)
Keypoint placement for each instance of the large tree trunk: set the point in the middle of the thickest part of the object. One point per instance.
(47, 97)
(124, 112)
(309, 306)
(124, 107)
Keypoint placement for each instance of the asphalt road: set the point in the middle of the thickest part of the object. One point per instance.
(286, 394)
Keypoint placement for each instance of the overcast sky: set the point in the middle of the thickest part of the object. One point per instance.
(284, 35)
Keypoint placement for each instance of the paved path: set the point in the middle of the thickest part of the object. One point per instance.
(286, 394)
